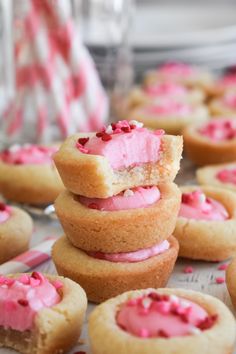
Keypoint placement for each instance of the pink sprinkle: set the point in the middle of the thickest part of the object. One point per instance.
(57, 284)
(34, 282)
(143, 333)
(223, 266)
(188, 270)
(159, 132)
(24, 279)
(220, 280)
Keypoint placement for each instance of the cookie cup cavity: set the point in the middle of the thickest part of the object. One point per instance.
(208, 240)
(56, 329)
(104, 333)
(103, 279)
(207, 175)
(119, 231)
(15, 234)
(172, 124)
(230, 281)
(93, 177)
(203, 151)
(32, 184)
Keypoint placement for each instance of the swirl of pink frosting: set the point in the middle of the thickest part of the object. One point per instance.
(124, 144)
(176, 69)
(23, 297)
(227, 81)
(195, 205)
(169, 107)
(230, 101)
(227, 175)
(132, 257)
(140, 197)
(28, 155)
(219, 130)
(166, 89)
(5, 212)
(166, 316)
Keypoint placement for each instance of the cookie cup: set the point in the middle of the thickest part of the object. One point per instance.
(119, 231)
(104, 333)
(208, 240)
(103, 279)
(172, 124)
(30, 184)
(93, 177)
(15, 234)
(207, 175)
(230, 280)
(56, 329)
(203, 151)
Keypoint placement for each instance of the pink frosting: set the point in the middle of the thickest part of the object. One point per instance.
(166, 89)
(230, 101)
(227, 175)
(132, 257)
(227, 81)
(169, 107)
(28, 155)
(176, 69)
(140, 197)
(219, 129)
(195, 205)
(154, 315)
(124, 144)
(5, 212)
(23, 297)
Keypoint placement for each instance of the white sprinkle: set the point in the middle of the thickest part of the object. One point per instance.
(14, 148)
(184, 304)
(174, 299)
(194, 330)
(146, 302)
(128, 193)
(109, 129)
(202, 198)
(136, 123)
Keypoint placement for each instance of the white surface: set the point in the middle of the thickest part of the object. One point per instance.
(202, 279)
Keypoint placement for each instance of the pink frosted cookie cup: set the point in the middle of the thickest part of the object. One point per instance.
(170, 321)
(122, 156)
(28, 174)
(211, 143)
(222, 175)
(206, 226)
(36, 309)
(106, 275)
(124, 230)
(169, 115)
(16, 228)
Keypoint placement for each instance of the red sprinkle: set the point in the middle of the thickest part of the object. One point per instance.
(83, 141)
(220, 280)
(163, 334)
(2, 207)
(223, 266)
(188, 270)
(207, 322)
(106, 137)
(93, 206)
(99, 134)
(23, 302)
(37, 275)
(126, 129)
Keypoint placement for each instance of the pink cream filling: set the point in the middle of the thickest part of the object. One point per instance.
(219, 130)
(28, 155)
(154, 315)
(195, 205)
(227, 175)
(140, 197)
(124, 144)
(230, 101)
(169, 107)
(166, 89)
(132, 257)
(22, 298)
(176, 69)
(5, 212)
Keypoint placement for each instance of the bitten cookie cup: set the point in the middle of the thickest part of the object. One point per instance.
(204, 151)
(105, 333)
(15, 233)
(56, 329)
(230, 281)
(31, 184)
(213, 240)
(93, 177)
(171, 123)
(104, 279)
(222, 175)
(119, 231)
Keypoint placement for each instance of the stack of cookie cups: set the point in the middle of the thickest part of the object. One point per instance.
(118, 220)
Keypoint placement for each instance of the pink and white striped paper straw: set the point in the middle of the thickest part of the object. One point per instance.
(30, 258)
